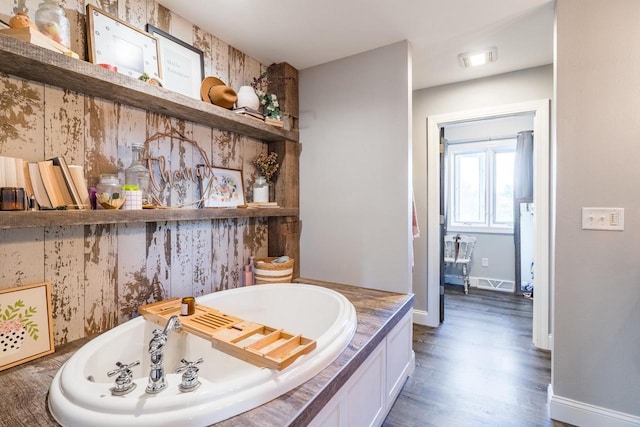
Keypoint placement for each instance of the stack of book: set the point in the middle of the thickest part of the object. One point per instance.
(53, 183)
(249, 112)
(256, 205)
(35, 37)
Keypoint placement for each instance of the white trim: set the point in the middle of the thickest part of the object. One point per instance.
(540, 108)
(587, 415)
(421, 317)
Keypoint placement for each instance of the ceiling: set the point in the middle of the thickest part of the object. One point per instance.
(306, 33)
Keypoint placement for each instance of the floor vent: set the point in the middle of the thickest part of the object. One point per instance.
(493, 284)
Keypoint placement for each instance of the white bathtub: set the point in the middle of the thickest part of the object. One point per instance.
(80, 392)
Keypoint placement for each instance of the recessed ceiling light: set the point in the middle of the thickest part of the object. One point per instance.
(473, 59)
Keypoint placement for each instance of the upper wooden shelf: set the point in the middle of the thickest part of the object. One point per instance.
(52, 218)
(32, 62)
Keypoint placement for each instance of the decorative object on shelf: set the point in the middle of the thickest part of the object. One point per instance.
(137, 176)
(247, 97)
(268, 101)
(109, 193)
(214, 91)
(274, 270)
(221, 187)
(154, 81)
(22, 20)
(12, 199)
(35, 37)
(268, 166)
(182, 64)
(113, 41)
(26, 327)
(261, 190)
(53, 23)
(109, 67)
(249, 112)
(132, 198)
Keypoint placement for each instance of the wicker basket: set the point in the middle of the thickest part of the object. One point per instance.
(266, 272)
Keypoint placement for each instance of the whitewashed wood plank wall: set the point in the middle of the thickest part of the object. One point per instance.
(102, 273)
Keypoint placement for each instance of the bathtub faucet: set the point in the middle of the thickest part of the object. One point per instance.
(157, 380)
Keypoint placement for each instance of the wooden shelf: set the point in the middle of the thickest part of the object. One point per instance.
(35, 63)
(54, 218)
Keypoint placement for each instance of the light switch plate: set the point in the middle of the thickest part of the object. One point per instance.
(611, 219)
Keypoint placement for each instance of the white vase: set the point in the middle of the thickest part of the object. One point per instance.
(247, 98)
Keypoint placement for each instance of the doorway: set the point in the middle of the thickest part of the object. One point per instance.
(540, 111)
(488, 171)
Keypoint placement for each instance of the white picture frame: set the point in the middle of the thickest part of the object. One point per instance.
(222, 188)
(115, 42)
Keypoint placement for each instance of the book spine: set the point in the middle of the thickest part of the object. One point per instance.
(38, 186)
(76, 199)
(49, 180)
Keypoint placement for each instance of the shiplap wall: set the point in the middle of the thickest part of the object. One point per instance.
(102, 273)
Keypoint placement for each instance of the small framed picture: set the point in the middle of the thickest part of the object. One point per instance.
(182, 64)
(221, 188)
(26, 326)
(116, 43)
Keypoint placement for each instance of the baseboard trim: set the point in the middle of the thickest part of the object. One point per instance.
(586, 415)
(421, 317)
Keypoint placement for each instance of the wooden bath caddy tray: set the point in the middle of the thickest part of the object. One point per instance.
(252, 342)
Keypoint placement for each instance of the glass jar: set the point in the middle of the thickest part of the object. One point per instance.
(53, 23)
(109, 192)
(261, 190)
(137, 174)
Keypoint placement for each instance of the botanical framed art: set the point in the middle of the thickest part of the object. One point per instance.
(26, 326)
(115, 42)
(182, 64)
(222, 188)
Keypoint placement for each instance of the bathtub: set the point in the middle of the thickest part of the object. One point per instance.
(80, 391)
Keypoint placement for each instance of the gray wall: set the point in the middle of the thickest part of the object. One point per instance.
(355, 170)
(520, 86)
(596, 357)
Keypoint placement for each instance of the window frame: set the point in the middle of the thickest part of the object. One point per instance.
(489, 148)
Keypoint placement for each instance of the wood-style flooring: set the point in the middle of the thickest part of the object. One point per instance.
(479, 368)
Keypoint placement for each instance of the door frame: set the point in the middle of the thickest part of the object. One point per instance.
(541, 199)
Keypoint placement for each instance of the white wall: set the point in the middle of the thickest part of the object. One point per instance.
(355, 169)
(520, 86)
(596, 357)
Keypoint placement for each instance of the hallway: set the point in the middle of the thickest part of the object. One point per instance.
(478, 368)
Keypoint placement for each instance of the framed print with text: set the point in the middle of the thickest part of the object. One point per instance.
(182, 64)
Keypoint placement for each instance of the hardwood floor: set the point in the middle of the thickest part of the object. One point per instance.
(479, 368)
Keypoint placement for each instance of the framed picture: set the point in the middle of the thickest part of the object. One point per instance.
(182, 64)
(222, 188)
(26, 327)
(117, 43)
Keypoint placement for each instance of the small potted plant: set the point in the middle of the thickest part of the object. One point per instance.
(268, 101)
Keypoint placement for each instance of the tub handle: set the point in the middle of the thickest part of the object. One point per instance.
(124, 382)
(189, 371)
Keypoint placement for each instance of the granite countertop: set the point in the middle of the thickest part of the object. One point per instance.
(23, 388)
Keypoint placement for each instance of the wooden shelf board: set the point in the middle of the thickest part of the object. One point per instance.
(36, 63)
(52, 218)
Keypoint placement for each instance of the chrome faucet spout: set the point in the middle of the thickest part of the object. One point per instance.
(172, 325)
(157, 379)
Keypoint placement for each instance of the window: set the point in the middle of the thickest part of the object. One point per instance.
(480, 182)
